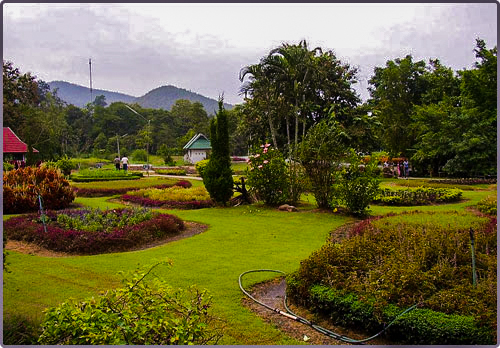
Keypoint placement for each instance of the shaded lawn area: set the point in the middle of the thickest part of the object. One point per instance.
(238, 239)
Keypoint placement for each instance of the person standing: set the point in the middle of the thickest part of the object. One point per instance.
(406, 168)
(125, 163)
(117, 163)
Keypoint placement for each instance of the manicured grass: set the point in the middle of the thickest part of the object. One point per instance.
(239, 168)
(238, 239)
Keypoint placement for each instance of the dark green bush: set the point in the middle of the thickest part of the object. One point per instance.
(140, 155)
(419, 326)
(417, 196)
(143, 312)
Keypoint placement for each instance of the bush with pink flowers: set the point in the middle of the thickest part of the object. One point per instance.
(268, 175)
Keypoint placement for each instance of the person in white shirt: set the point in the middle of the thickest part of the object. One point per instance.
(125, 163)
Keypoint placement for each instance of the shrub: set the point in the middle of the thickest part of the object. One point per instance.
(321, 154)
(140, 155)
(143, 312)
(171, 171)
(19, 330)
(358, 185)
(65, 165)
(268, 175)
(21, 188)
(410, 258)
(417, 196)
(419, 326)
(218, 175)
(66, 234)
(89, 175)
(166, 154)
(7, 166)
(488, 205)
(201, 166)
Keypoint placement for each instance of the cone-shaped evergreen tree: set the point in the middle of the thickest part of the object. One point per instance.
(218, 177)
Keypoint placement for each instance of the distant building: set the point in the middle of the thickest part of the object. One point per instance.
(13, 147)
(197, 149)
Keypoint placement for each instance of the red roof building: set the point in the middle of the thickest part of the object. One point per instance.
(13, 145)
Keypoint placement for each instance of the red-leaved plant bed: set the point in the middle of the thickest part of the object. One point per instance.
(89, 239)
(147, 202)
(102, 192)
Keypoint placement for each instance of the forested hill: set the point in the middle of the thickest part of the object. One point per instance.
(164, 97)
(80, 96)
(159, 98)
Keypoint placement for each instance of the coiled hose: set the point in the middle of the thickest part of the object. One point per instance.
(291, 315)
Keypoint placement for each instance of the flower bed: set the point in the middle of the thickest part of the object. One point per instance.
(465, 181)
(417, 196)
(102, 192)
(90, 231)
(174, 197)
(402, 260)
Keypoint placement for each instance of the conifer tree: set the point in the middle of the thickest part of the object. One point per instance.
(218, 177)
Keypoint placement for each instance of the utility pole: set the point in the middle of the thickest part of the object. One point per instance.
(90, 68)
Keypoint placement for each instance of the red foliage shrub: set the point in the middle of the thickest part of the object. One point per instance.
(21, 188)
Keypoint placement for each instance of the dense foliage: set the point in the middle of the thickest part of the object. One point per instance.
(410, 258)
(488, 205)
(217, 175)
(143, 312)
(22, 186)
(357, 185)
(92, 232)
(268, 175)
(321, 154)
(417, 196)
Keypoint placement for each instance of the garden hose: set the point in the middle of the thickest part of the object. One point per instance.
(291, 315)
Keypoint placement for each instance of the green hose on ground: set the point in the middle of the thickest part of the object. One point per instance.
(291, 315)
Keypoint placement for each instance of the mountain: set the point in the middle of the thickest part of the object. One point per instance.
(80, 96)
(162, 97)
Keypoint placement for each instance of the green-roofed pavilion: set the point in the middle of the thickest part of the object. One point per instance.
(197, 149)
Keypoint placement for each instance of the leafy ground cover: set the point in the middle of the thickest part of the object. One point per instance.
(212, 260)
(92, 231)
(173, 171)
(173, 197)
(89, 175)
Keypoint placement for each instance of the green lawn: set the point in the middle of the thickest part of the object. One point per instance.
(238, 239)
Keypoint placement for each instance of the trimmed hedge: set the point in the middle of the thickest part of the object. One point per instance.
(419, 326)
(171, 171)
(147, 202)
(417, 196)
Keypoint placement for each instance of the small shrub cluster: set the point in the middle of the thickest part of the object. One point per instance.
(103, 192)
(88, 175)
(143, 312)
(66, 230)
(417, 196)
(7, 166)
(419, 326)
(268, 175)
(65, 165)
(465, 181)
(201, 166)
(174, 197)
(140, 155)
(357, 185)
(22, 186)
(411, 258)
(171, 171)
(488, 205)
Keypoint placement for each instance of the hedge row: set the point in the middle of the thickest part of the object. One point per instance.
(419, 326)
(77, 178)
(418, 196)
(103, 192)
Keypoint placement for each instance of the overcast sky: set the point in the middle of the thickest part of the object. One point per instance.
(202, 47)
